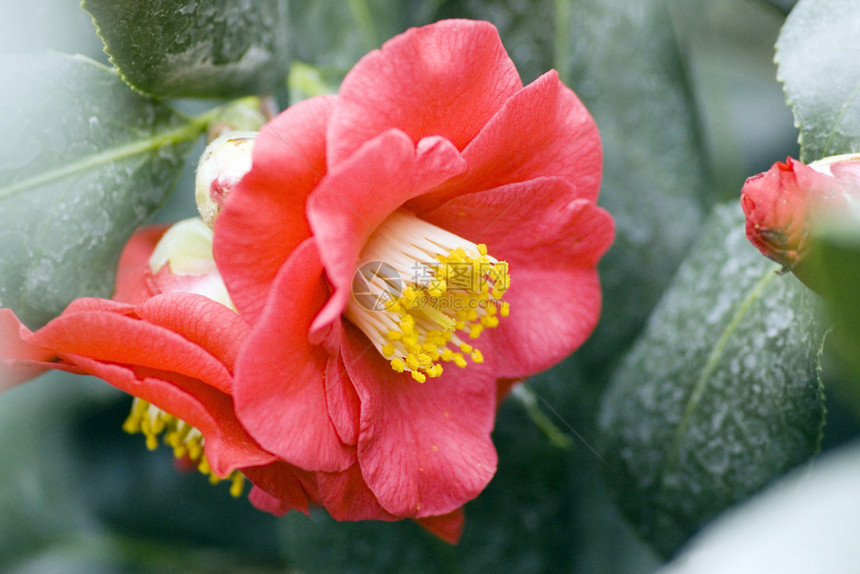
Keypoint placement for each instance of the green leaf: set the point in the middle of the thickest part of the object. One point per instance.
(837, 273)
(196, 49)
(805, 523)
(654, 177)
(819, 65)
(85, 162)
(720, 394)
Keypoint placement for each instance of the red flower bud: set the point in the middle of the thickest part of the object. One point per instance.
(782, 204)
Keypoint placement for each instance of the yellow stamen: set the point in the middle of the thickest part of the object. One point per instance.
(449, 288)
(185, 440)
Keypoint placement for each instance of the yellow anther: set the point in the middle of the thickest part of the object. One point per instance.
(238, 484)
(451, 288)
(185, 441)
(505, 309)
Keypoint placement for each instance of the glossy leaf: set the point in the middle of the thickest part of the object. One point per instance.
(85, 161)
(182, 48)
(721, 393)
(819, 65)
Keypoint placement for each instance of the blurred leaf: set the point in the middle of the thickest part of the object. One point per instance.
(654, 177)
(196, 49)
(333, 34)
(805, 523)
(837, 259)
(85, 161)
(38, 507)
(819, 64)
(720, 394)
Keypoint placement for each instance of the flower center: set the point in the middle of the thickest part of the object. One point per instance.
(420, 292)
(186, 441)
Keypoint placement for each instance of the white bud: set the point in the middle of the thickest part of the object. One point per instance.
(224, 162)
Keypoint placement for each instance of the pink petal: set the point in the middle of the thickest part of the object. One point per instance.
(424, 449)
(446, 79)
(210, 411)
(131, 277)
(552, 243)
(361, 192)
(210, 325)
(279, 385)
(280, 488)
(342, 401)
(544, 130)
(346, 496)
(264, 218)
(20, 361)
(112, 337)
(448, 527)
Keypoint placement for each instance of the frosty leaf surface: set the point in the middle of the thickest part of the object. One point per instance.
(720, 394)
(819, 66)
(85, 162)
(196, 48)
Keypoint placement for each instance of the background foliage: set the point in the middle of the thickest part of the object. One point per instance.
(703, 384)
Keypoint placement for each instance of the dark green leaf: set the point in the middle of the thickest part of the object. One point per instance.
(720, 394)
(654, 177)
(805, 523)
(193, 48)
(85, 161)
(819, 64)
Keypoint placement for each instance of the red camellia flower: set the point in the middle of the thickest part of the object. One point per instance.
(465, 203)
(397, 256)
(782, 204)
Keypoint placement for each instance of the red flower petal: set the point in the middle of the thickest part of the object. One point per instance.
(424, 449)
(210, 411)
(544, 130)
(264, 219)
(447, 79)
(112, 337)
(448, 527)
(131, 277)
(346, 496)
(279, 385)
(555, 293)
(206, 323)
(360, 193)
(342, 401)
(20, 361)
(280, 488)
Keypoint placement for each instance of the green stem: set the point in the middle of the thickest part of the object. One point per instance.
(528, 399)
(195, 127)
